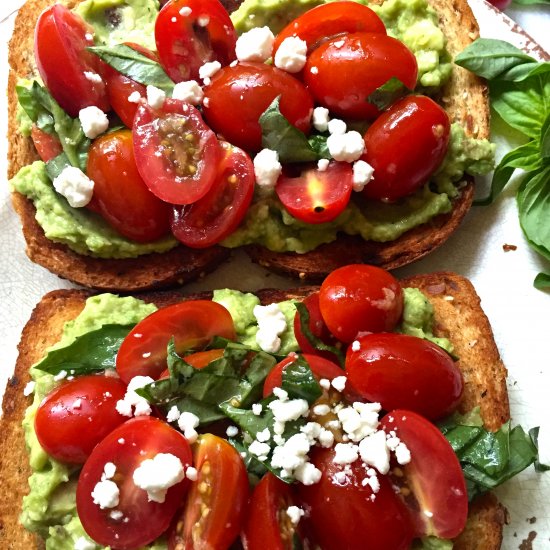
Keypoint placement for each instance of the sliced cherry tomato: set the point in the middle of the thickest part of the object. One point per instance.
(120, 88)
(405, 372)
(344, 513)
(199, 360)
(60, 42)
(217, 501)
(47, 145)
(419, 129)
(328, 20)
(214, 217)
(190, 33)
(348, 68)
(360, 298)
(77, 415)
(436, 490)
(320, 367)
(192, 324)
(239, 95)
(120, 195)
(267, 524)
(142, 520)
(177, 155)
(317, 196)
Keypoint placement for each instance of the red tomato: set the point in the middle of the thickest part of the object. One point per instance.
(186, 41)
(120, 195)
(434, 476)
(347, 69)
(199, 360)
(343, 515)
(217, 501)
(127, 447)
(77, 415)
(419, 129)
(360, 298)
(400, 371)
(177, 155)
(267, 523)
(214, 217)
(320, 367)
(120, 87)
(239, 95)
(317, 196)
(47, 145)
(192, 324)
(328, 20)
(60, 42)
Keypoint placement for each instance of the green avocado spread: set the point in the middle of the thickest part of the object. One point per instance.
(50, 508)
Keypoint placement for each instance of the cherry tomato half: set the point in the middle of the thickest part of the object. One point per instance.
(267, 523)
(434, 476)
(217, 501)
(216, 215)
(342, 513)
(190, 33)
(360, 298)
(328, 20)
(77, 415)
(239, 95)
(120, 195)
(317, 196)
(348, 68)
(419, 129)
(142, 520)
(192, 324)
(60, 42)
(47, 145)
(405, 372)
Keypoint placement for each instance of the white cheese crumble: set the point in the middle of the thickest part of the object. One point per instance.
(84, 543)
(132, 402)
(116, 515)
(271, 324)
(337, 126)
(295, 514)
(307, 474)
(29, 388)
(322, 165)
(191, 473)
(78, 189)
(187, 423)
(355, 345)
(93, 77)
(134, 97)
(345, 453)
(259, 449)
(291, 55)
(155, 97)
(94, 121)
(320, 119)
(255, 45)
(106, 494)
(374, 451)
(267, 169)
(264, 435)
(208, 70)
(339, 383)
(232, 431)
(173, 414)
(189, 91)
(156, 475)
(257, 409)
(321, 410)
(362, 174)
(346, 147)
(359, 420)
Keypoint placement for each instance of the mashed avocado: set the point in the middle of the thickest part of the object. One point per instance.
(50, 509)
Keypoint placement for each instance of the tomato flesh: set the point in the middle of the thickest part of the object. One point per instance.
(419, 129)
(216, 215)
(360, 298)
(433, 476)
(348, 68)
(317, 196)
(177, 155)
(47, 145)
(60, 42)
(192, 324)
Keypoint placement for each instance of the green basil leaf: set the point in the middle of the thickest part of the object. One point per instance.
(299, 382)
(388, 93)
(94, 351)
(526, 70)
(254, 467)
(134, 65)
(534, 435)
(177, 367)
(318, 143)
(530, 2)
(542, 281)
(55, 166)
(545, 139)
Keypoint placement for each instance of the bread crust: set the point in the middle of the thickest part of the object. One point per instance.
(483, 371)
(183, 264)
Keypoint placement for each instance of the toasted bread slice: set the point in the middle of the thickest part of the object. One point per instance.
(465, 99)
(460, 319)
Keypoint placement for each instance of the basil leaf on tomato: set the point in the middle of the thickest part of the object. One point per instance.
(388, 93)
(92, 352)
(299, 382)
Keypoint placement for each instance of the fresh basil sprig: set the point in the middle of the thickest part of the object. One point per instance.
(134, 65)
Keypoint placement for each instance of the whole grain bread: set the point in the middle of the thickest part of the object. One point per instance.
(465, 98)
(461, 319)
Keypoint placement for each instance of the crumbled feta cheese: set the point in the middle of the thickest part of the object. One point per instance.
(186, 11)
(156, 475)
(359, 420)
(337, 127)
(155, 97)
(109, 471)
(292, 454)
(362, 174)
(346, 147)
(339, 383)
(307, 474)
(257, 409)
(374, 484)
(312, 430)
(116, 515)
(106, 494)
(131, 399)
(94, 121)
(402, 454)
(259, 449)
(191, 473)
(187, 423)
(295, 514)
(322, 165)
(314, 70)
(208, 70)
(134, 97)
(345, 453)
(326, 438)
(189, 91)
(285, 411)
(232, 431)
(321, 119)
(355, 345)
(291, 55)
(374, 451)
(173, 414)
(93, 77)
(263, 436)
(255, 45)
(29, 388)
(271, 324)
(267, 168)
(78, 189)
(324, 383)
(321, 410)
(280, 394)
(84, 543)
